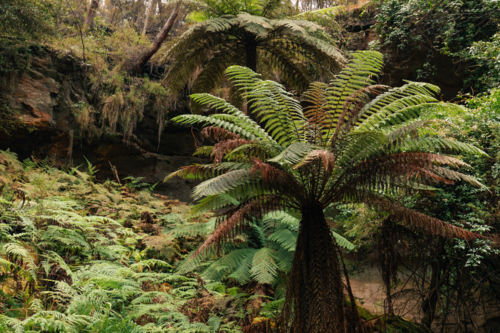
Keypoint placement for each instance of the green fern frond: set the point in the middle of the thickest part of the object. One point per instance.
(341, 241)
(264, 268)
(222, 183)
(285, 237)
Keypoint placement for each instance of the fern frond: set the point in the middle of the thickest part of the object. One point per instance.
(222, 183)
(264, 268)
(285, 237)
(342, 242)
(427, 224)
(293, 154)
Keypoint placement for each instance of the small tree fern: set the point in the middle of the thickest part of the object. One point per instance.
(261, 255)
(353, 142)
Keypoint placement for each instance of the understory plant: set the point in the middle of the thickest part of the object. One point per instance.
(353, 141)
(79, 256)
(261, 253)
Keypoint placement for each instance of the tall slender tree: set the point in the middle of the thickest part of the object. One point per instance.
(146, 17)
(355, 142)
(89, 20)
(158, 41)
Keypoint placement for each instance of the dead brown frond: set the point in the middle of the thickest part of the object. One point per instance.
(223, 147)
(325, 156)
(397, 169)
(237, 218)
(275, 179)
(353, 106)
(316, 109)
(216, 134)
(146, 217)
(416, 220)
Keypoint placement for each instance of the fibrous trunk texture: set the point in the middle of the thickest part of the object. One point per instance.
(251, 52)
(160, 38)
(251, 62)
(89, 20)
(315, 300)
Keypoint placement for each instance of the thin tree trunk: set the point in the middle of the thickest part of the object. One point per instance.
(94, 4)
(148, 9)
(160, 38)
(315, 301)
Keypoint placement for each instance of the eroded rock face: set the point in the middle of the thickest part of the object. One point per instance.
(43, 101)
(36, 96)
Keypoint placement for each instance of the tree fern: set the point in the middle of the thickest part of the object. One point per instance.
(247, 38)
(352, 144)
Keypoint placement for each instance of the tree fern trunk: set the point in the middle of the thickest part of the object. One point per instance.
(315, 300)
(251, 57)
(251, 52)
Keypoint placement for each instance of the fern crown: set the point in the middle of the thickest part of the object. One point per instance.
(352, 141)
(286, 46)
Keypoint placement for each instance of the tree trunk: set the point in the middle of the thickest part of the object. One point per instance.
(251, 62)
(439, 273)
(315, 301)
(160, 38)
(148, 9)
(251, 52)
(94, 4)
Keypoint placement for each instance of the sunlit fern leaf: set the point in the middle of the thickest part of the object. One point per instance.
(284, 259)
(243, 273)
(436, 144)
(354, 77)
(194, 260)
(203, 171)
(204, 151)
(342, 242)
(18, 250)
(324, 16)
(222, 106)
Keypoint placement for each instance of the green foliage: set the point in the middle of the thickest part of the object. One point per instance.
(486, 54)
(325, 17)
(26, 20)
(454, 28)
(135, 182)
(209, 9)
(68, 263)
